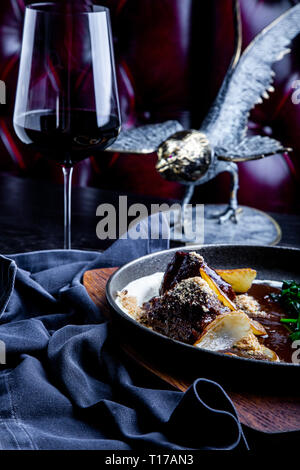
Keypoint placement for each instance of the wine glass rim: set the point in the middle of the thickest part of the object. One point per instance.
(57, 10)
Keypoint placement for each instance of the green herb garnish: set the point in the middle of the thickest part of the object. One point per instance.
(290, 300)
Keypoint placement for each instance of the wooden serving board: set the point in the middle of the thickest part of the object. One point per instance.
(266, 413)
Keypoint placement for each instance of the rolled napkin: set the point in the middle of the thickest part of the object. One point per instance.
(65, 385)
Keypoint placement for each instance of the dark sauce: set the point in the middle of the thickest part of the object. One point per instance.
(278, 335)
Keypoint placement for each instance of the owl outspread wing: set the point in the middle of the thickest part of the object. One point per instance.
(251, 148)
(144, 139)
(246, 85)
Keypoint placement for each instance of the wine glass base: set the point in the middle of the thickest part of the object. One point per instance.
(254, 227)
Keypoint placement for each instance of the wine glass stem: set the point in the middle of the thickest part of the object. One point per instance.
(67, 206)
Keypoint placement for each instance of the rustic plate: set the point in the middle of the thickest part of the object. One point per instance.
(275, 263)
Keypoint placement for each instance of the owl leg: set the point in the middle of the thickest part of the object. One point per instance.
(231, 213)
(188, 194)
(186, 199)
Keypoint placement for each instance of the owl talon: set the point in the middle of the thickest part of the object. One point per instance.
(228, 214)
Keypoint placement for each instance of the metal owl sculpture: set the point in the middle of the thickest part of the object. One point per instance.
(194, 157)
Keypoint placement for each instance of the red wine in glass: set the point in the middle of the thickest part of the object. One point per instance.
(45, 132)
(66, 102)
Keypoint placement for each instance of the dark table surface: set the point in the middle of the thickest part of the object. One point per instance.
(31, 216)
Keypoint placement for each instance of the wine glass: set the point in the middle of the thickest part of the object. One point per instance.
(66, 101)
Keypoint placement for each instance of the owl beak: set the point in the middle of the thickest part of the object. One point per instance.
(162, 165)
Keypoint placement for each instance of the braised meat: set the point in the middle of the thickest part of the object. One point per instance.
(183, 311)
(185, 265)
